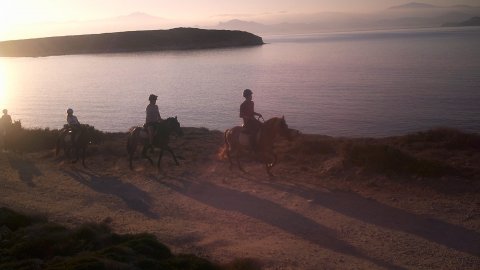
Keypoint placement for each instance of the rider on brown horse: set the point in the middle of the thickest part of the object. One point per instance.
(247, 113)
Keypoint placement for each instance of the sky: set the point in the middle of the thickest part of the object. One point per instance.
(25, 15)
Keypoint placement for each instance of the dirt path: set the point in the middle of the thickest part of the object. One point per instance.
(202, 207)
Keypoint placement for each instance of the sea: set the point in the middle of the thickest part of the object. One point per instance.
(354, 84)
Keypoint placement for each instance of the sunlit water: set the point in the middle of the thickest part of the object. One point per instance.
(345, 84)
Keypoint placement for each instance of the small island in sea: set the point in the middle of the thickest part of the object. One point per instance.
(131, 41)
(474, 21)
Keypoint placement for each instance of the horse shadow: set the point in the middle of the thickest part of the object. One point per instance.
(135, 198)
(373, 212)
(271, 213)
(26, 169)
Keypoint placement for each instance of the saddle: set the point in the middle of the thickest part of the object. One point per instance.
(246, 136)
(71, 134)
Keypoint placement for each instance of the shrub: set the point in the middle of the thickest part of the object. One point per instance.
(38, 139)
(34, 243)
(448, 138)
(388, 159)
(13, 220)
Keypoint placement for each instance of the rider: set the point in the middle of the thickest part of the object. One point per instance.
(247, 113)
(5, 124)
(72, 123)
(6, 120)
(153, 117)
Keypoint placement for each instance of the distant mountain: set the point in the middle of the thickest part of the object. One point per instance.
(474, 21)
(413, 5)
(133, 41)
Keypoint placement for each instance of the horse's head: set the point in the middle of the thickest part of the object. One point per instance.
(281, 128)
(174, 126)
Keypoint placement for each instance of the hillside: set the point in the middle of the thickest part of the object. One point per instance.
(133, 41)
(405, 202)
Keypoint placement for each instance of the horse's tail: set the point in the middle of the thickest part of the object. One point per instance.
(222, 153)
(57, 145)
(130, 139)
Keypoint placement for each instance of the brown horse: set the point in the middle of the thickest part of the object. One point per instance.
(160, 140)
(236, 141)
(77, 140)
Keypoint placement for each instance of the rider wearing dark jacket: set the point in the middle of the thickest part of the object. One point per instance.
(153, 117)
(247, 113)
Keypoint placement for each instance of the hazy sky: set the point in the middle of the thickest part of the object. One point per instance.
(22, 12)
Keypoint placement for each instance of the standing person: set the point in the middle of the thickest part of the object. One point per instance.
(153, 117)
(247, 113)
(5, 124)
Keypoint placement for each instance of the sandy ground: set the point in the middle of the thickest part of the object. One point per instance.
(295, 220)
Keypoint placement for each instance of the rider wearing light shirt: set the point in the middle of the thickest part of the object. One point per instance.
(72, 120)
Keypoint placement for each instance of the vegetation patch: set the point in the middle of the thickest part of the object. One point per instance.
(38, 139)
(445, 138)
(34, 243)
(387, 159)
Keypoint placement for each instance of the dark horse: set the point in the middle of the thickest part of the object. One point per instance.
(160, 140)
(77, 140)
(236, 141)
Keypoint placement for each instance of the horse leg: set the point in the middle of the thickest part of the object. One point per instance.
(173, 155)
(144, 154)
(57, 146)
(228, 147)
(159, 159)
(229, 158)
(269, 166)
(77, 155)
(237, 157)
(84, 150)
(131, 147)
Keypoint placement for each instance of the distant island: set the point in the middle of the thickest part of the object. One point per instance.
(132, 41)
(474, 21)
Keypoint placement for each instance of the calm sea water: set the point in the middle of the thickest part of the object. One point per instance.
(375, 83)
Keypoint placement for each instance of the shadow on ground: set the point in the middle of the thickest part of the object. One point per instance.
(271, 213)
(26, 169)
(373, 212)
(135, 198)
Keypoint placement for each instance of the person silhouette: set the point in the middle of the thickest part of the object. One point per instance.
(247, 113)
(152, 118)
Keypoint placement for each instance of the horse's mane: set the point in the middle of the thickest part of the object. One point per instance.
(273, 120)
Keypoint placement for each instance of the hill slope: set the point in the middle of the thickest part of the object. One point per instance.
(408, 202)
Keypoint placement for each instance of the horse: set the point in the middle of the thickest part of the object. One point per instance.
(236, 141)
(161, 139)
(77, 140)
(12, 135)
